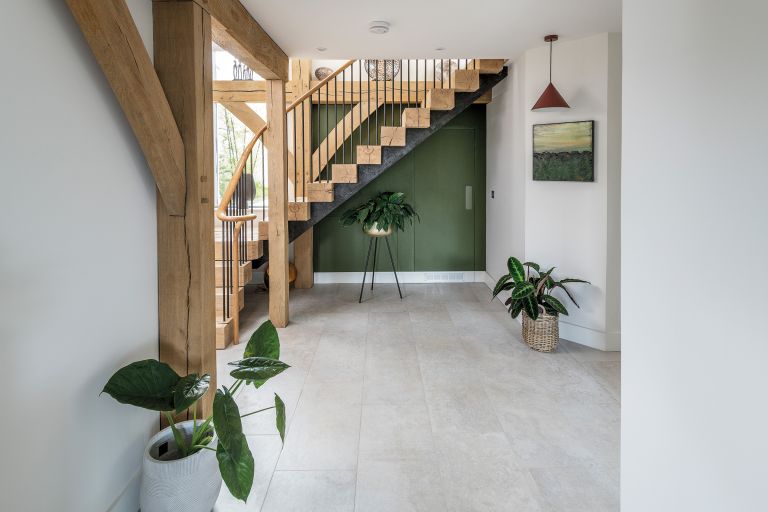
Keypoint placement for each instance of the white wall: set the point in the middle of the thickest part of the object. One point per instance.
(694, 276)
(78, 278)
(573, 226)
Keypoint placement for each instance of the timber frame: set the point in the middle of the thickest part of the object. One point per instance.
(170, 109)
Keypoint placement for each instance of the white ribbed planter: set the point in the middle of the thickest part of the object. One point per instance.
(190, 484)
(375, 231)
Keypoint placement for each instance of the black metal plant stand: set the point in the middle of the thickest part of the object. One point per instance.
(374, 244)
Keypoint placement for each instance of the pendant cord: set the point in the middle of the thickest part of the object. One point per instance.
(550, 62)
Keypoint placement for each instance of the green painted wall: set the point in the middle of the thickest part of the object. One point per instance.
(433, 177)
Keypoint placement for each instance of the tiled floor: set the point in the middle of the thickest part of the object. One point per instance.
(432, 403)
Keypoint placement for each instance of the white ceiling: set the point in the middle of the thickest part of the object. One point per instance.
(471, 28)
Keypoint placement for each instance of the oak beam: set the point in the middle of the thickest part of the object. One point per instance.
(276, 139)
(114, 39)
(235, 30)
(186, 302)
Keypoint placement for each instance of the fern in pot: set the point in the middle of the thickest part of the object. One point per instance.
(184, 465)
(381, 214)
(531, 294)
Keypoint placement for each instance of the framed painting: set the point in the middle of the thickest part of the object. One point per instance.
(564, 151)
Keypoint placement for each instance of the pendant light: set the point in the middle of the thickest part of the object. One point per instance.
(550, 98)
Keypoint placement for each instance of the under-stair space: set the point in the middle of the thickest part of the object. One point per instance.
(342, 132)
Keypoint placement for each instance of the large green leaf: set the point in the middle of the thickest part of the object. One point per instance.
(516, 269)
(236, 467)
(571, 280)
(555, 304)
(522, 289)
(500, 284)
(280, 417)
(189, 390)
(264, 342)
(257, 368)
(567, 292)
(531, 307)
(148, 384)
(226, 420)
(516, 308)
(542, 282)
(534, 266)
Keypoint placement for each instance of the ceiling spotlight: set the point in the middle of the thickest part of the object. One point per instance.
(378, 27)
(321, 48)
(440, 49)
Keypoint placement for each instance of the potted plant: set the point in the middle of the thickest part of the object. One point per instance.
(380, 214)
(184, 464)
(531, 294)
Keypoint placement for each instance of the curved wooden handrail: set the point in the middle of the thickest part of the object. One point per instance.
(317, 87)
(221, 212)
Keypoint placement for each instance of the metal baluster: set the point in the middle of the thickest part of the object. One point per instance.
(384, 122)
(344, 117)
(263, 181)
(360, 102)
(417, 82)
(449, 73)
(319, 140)
(400, 112)
(295, 161)
(303, 153)
(327, 134)
(376, 126)
(368, 120)
(335, 119)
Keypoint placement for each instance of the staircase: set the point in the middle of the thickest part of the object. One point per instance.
(374, 112)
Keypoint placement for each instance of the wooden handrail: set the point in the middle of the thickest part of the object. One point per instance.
(317, 87)
(221, 212)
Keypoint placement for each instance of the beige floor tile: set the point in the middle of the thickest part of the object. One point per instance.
(311, 491)
(396, 432)
(399, 486)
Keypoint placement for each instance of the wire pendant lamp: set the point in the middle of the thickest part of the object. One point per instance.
(550, 98)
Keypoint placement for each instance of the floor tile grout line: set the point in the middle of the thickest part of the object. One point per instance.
(288, 430)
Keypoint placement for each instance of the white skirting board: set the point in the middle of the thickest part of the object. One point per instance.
(605, 341)
(386, 276)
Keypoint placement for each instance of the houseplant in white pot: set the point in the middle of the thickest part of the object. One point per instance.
(382, 213)
(184, 465)
(531, 294)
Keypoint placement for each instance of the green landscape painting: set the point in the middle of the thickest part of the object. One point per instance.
(563, 151)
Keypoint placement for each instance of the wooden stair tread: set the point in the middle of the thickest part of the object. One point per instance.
(393, 136)
(320, 192)
(466, 80)
(441, 99)
(344, 173)
(416, 118)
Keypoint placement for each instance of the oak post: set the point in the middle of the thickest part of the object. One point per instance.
(276, 139)
(186, 298)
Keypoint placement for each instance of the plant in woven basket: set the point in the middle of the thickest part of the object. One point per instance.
(531, 289)
(384, 210)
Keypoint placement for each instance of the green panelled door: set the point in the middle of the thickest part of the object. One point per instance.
(434, 178)
(446, 176)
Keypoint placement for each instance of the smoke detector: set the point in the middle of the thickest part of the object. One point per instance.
(378, 27)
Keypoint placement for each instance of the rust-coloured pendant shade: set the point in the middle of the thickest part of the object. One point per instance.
(551, 97)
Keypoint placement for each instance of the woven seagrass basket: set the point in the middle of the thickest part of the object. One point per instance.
(543, 333)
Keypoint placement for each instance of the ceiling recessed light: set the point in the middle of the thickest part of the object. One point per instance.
(378, 27)
(440, 49)
(321, 48)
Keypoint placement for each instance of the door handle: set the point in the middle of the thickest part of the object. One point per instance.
(468, 197)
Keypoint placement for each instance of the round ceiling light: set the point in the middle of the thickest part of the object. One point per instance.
(378, 27)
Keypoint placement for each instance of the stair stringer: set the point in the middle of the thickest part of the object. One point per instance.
(390, 156)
